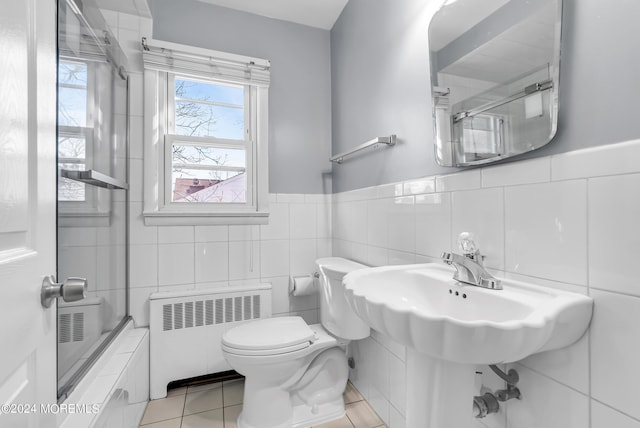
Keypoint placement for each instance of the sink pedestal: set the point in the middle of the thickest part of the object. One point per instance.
(439, 393)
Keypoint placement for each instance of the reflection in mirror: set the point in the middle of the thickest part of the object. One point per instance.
(494, 78)
(92, 139)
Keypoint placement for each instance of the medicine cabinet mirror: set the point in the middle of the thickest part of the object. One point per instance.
(494, 78)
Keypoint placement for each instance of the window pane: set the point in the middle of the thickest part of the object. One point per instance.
(72, 94)
(208, 186)
(71, 190)
(72, 107)
(71, 147)
(206, 120)
(72, 73)
(207, 155)
(227, 94)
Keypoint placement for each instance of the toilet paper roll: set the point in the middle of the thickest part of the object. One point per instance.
(302, 285)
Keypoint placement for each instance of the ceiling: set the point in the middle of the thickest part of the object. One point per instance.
(132, 7)
(527, 45)
(314, 13)
(458, 17)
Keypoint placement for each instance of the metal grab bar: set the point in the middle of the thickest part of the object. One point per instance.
(389, 141)
(536, 87)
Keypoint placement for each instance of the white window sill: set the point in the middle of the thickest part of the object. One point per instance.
(173, 218)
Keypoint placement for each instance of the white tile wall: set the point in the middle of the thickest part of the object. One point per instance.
(546, 230)
(303, 221)
(168, 258)
(614, 214)
(303, 254)
(514, 173)
(615, 351)
(402, 230)
(379, 375)
(274, 255)
(599, 161)
(175, 234)
(433, 224)
(175, 264)
(466, 180)
(546, 403)
(568, 221)
(211, 262)
(480, 212)
(213, 233)
(605, 417)
(418, 187)
(244, 260)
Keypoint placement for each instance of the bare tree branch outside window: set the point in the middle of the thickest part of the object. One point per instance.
(193, 119)
(206, 110)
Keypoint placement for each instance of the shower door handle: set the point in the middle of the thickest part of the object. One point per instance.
(71, 290)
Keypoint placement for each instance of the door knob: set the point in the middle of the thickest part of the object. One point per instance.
(71, 290)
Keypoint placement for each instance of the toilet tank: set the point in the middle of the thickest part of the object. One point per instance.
(335, 313)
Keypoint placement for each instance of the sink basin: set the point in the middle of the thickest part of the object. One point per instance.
(424, 308)
(449, 328)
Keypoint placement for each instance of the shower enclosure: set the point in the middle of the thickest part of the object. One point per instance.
(92, 187)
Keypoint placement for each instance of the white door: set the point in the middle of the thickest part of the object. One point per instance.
(27, 210)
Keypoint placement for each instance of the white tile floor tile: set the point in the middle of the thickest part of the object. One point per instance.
(231, 414)
(169, 423)
(232, 392)
(202, 406)
(209, 419)
(203, 400)
(163, 409)
(362, 416)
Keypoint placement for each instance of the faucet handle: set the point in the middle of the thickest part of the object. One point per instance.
(466, 242)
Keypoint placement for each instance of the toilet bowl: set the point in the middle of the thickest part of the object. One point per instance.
(296, 373)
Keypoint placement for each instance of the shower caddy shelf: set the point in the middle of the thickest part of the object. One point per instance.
(94, 178)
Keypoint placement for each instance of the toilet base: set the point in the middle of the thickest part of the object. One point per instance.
(305, 417)
(299, 389)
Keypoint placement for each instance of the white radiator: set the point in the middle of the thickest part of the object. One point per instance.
(186, 329)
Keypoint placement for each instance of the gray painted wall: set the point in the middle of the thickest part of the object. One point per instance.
(379, 67)
(300, 92)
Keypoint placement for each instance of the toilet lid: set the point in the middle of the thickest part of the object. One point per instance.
(272, 334)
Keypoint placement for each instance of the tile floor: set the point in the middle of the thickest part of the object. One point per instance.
(217, 405)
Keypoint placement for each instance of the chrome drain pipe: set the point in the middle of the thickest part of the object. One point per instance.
(484, 405)
(489, 403)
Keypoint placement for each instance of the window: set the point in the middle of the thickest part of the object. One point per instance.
(86, 138)
(205, 136)
(75, 131)
(209, 151)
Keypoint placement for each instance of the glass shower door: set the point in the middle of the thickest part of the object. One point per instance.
(92, 187)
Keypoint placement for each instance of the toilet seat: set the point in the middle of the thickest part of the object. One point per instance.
(272, 336)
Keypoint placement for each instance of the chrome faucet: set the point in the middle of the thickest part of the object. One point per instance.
(469, 266)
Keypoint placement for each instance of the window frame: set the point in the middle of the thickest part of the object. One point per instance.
(159, 137)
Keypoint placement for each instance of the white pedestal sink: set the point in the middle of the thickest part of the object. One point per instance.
(450, 327)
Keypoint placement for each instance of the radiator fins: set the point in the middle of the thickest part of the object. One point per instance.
(71, 327)
(198, 313)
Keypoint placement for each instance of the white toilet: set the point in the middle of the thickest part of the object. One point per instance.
(296, 373)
